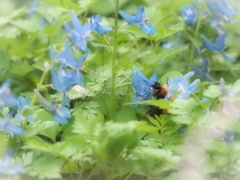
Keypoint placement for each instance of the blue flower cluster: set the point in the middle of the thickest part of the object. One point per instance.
(219, 9)
(80, 34)
(66, 70)
(7, 99)
(142, 86)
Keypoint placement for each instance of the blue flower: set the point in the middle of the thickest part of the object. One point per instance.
(218, 46)
(221, 8)
(8, 126)
(6, 98)
(79, 34)
(181, 86)
(95, 20)
(60, 113)
(203, 71)
(142, 85)
(22, 102)
(189, 14)
(75, 65)
(62, 81)
(7, 167)
(139, 20)
(60, 57)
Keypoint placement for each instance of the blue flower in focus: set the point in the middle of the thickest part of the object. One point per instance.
(79, 34)
(221, 8)
(60, 113)
(181, 86)
(8, 126)
(6, 98)
(95, 20)
(141, 85)
(139, 20)
(189, 14)
(7, 167)
(218, 46)
(75, 65)
(23, 102)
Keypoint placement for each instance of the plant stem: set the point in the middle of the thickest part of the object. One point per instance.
(92, 172)
(128, 176)
(114, 60)
(192, 48)
(69, 168)
(39, 85)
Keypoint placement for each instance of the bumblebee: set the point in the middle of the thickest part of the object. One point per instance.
(158, 92)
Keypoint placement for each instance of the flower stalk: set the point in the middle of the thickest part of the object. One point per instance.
(114, 60)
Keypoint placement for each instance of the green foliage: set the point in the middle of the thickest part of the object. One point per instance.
(107, 136)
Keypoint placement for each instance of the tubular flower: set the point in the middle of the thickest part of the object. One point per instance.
(203, 71)
(6, 165)
(60, 113)
(23, 102)
(62, 79)
(189, 14)
(181, 86)
(139, 20)
(75, 65)
(94, 21)
(79, 34)
(218, 46)
(6, 98)
(142, 85)
(7, 125)
(221, 8)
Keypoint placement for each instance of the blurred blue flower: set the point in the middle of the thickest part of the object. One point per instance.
(141, 85)
(218, 46)
(8, 126)
(79, 34)
(75, 65)
(60, 113)
(180, 84)
(221, 8)
(7, 167)
(203, 71)
(6, 98)
(22, 102)
(206, 100)
(189, 15)
(60, 57)
(95, 20)
(62, 81)
(139, 20)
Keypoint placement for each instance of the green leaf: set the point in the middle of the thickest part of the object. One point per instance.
(42, 165)
(212, 92)
(38, 127)
(162, 55)
(53, 127)
(125, 114)
(86, 109)
(161, 103)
